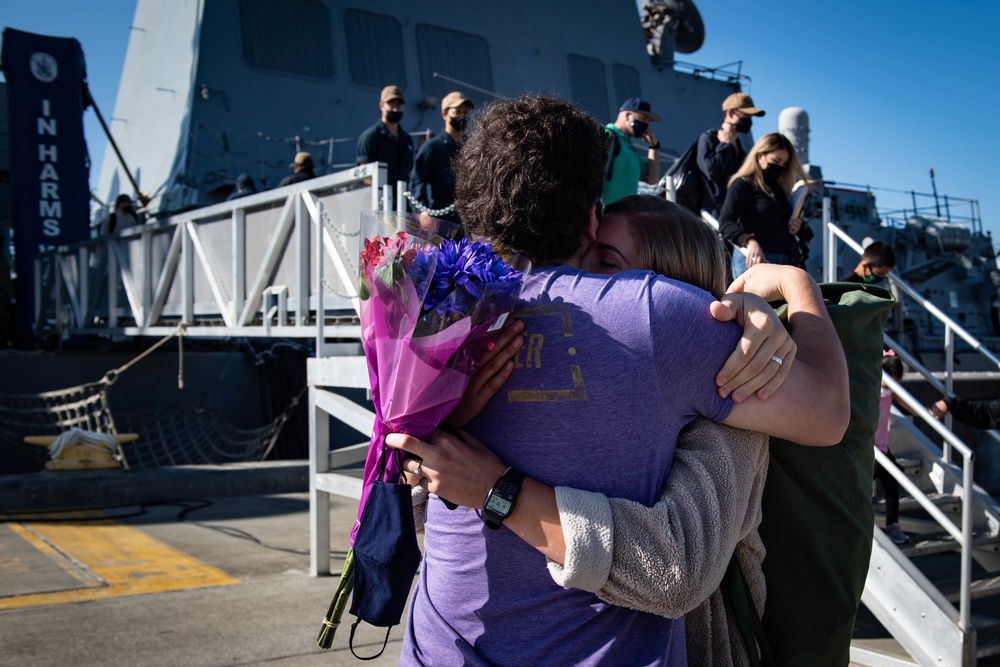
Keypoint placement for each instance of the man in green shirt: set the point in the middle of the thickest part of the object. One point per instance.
(626, 166)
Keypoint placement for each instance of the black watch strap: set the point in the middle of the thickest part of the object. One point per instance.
(499, 503)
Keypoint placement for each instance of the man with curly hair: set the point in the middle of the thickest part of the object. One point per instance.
(612, 368)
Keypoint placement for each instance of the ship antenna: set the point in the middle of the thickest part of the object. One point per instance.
(89, 100)
(937, 206)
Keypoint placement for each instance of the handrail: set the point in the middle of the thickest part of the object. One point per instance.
(949, 440)
(711, 220)
(213, 267)
(715, 73)
(950, 324)
(963, 537)
(919, 410)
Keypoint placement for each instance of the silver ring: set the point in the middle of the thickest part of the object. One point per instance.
(777, 359)
(417, 471)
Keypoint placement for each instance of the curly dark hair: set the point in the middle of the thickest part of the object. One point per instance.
(528, 175)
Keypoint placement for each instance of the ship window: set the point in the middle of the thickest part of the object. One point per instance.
(374, 49)
(588, 85)
(292, 37)
(625, 79)
(458, 55)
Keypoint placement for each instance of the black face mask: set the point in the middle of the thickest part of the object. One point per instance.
(393, 116)
(638, 128)
(459, 122)
(772, 172)
(743, 125)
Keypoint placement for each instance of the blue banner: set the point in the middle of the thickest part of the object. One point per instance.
(49, 166)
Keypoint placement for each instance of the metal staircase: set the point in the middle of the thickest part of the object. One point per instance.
(923, 592)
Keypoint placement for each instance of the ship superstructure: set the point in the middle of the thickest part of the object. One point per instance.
(212, 89)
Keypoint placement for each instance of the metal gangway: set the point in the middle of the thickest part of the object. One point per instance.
(283, 263)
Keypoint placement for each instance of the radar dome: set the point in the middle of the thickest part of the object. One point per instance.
(793, 122)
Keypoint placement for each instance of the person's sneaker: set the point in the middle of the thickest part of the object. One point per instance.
(896, 534)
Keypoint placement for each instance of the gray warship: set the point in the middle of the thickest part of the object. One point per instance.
(212, 89)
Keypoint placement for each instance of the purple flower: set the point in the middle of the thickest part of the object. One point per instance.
(470, 280)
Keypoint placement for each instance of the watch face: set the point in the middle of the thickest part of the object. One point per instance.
(498, 505)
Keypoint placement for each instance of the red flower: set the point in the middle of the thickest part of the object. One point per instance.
(373, 251)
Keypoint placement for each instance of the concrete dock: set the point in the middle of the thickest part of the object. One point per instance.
(192, 577)
(199, 565)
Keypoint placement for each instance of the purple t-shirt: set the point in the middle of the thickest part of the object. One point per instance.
(611, 370)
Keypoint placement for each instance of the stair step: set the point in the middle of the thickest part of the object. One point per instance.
(988, 640)
(909, 466)
(909, 503)
(980, 588)
(939, 499)
(937, 544)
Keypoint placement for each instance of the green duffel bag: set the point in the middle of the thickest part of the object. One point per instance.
(817, 512)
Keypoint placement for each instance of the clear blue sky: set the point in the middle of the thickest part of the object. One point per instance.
(892, 88)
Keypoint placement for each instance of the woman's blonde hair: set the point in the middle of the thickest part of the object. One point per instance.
(673, 242)
(750, 169)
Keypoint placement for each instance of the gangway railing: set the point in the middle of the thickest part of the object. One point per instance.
(833, 233)
(218, 268)
(963, 534)
(965, 491)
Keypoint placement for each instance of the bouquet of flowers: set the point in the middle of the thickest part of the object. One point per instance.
(429, 307)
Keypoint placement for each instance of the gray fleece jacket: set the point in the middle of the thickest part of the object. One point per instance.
(670, 558)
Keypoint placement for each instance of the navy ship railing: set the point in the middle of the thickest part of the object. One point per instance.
(241, 268)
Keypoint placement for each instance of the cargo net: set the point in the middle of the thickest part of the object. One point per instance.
(196, 432)
(188, 433)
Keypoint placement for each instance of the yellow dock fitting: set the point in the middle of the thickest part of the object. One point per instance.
(80, 456)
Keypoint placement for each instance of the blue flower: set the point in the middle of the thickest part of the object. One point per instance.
(470, 280)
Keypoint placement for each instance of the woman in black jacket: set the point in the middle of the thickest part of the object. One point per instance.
(757, 214)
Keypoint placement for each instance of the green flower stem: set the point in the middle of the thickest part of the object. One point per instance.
(333, 615)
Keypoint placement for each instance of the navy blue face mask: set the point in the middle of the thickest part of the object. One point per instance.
(386, 558)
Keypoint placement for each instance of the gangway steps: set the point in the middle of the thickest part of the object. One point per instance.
(987, 637)
(942, 500)
(980, 588)
(909, 504)
(939, 545)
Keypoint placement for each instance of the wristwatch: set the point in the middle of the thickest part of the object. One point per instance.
(500, 500)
